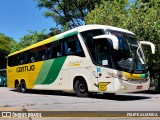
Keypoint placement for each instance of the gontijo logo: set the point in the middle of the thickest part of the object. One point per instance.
(25, 68)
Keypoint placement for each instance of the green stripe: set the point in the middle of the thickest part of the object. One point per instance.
(50, 71)
(70, 34)
(66, 35)
(44, 71)
(54, 70)
(144, 75)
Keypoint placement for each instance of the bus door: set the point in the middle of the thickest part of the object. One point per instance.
(104, 65)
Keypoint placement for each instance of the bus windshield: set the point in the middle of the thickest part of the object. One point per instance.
(128, 58)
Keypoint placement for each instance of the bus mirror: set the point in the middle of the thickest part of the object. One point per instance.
(150, 44)
(113, 38)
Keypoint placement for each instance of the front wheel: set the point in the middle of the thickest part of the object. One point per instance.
(80, 88)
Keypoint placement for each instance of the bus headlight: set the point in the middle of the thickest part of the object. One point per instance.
(124, 87)
(124, 78)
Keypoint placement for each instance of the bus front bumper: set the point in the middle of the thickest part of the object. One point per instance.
(127, 87)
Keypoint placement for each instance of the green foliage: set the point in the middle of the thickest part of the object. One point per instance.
(145, 22)
(31, 38)
(54, 31)
(14, 46)
(67, 13)
(4, 49)
(108, 13)
(4, 41)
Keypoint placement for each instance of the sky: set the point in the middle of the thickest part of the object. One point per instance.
(18, 16)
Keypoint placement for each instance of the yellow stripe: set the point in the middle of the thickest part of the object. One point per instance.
(35, 45)
(10, 109)
(132, 76)
(74, 64)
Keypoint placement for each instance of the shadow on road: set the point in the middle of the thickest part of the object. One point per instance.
(123, 97)
(48, 92)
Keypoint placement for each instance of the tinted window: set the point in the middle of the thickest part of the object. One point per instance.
(72, 46)
(88, 39)
(67, 46)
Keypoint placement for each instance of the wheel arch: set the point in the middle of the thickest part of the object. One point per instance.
(23, 80)
(84, 78)
(15, 82)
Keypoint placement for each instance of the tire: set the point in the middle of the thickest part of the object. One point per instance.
(17, 87)
(80, 88)
(23, 87)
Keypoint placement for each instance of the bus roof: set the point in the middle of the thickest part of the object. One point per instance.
(69, 33)
(88, 27)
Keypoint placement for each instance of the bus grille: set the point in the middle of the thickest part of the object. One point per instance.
(137, 81)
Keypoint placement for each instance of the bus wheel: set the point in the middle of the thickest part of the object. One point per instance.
(17, 87)
(23, 87)
(80, 88)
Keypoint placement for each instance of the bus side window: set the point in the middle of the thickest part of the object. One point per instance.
(33, 59)
(57, 49)
(12, 61)
(73, 47)
(50, 52)
(30, 57)
(21, 59)
(44, 57)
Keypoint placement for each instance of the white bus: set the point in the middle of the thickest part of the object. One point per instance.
(86, 59)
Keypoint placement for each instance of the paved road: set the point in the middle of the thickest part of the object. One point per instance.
(57, 101)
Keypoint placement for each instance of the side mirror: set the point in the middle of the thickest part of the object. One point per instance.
(111, 37)
(150, 44)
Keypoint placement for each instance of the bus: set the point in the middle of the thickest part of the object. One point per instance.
(87, 59)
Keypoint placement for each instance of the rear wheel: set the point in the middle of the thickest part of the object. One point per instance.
(17, 87)
(80, 88)
(23, 87)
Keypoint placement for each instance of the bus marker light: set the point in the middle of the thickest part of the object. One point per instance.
(108, 77)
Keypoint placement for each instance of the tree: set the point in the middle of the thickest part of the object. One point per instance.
(14, 46)
(31, 38)
(4, 49)
(67, 13)
(28, 39)
(108, 13)
(54, 31)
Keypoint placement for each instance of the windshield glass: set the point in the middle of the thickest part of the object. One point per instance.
(128, 58)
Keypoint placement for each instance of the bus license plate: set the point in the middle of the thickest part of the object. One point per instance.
(139, 87)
